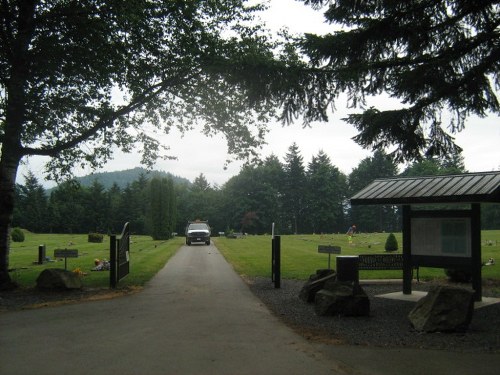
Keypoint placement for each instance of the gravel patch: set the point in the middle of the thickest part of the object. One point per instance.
(387, 325)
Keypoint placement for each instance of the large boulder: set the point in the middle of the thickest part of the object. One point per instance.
(444, 309)
(56, 278)
(315, 283)
(342, 298)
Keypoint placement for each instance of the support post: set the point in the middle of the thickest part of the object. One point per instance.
(112, 261)
(476, 251)
(407, 263)
(277, 261)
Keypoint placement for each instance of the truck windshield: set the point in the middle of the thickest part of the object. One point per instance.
(198, 226)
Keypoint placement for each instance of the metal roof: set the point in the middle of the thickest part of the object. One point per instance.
(463, 188)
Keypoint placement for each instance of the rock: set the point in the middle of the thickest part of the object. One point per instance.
(56, 278)
(315, 284)
(342, 298)
(444, 309)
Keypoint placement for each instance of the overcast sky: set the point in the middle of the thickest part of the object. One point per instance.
(198, 154)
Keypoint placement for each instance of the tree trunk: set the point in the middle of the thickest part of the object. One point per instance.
(8, 173)
(15, 112)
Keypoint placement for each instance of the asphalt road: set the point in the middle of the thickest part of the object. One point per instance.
(195, 317)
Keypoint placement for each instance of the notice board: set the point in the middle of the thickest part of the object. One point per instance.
(450, 237)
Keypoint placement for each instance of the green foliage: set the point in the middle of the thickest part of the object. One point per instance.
(376, 218)
(176, 64)
(162, 209)
(17, 235)
(147, 258)
(95, 237)
(293, 190)
(391, 244)
(432, 55)
(300, 258)
(326, 192)
(436, 166)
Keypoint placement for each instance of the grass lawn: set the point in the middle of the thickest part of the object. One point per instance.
(251, 255)
(147, 257)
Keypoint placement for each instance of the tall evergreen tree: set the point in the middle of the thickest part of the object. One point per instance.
(373, 218)
(160, 209)
(325, 195)
(430, 166)
(67, 208)
(97, 208)
(431, 54)
(32, 210)
(115, 217)
(294, 186)
(251, 198)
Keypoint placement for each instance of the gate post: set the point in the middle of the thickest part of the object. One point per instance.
(277, 261)
(112, 261)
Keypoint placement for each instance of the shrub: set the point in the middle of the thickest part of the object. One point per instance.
(17, 235)
(458, 275)
(96, 237)
(391, 244)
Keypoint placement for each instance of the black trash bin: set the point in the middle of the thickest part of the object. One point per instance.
(347, 268)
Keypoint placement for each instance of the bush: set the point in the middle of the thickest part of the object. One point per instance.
(96, 237)
(17, 235)
(391, 244)
(458, 275)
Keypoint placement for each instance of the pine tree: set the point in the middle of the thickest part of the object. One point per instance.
(431, 54)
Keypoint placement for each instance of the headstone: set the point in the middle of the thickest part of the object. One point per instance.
(315, 283)
(342, 298)
(444, 309)
(56, 278)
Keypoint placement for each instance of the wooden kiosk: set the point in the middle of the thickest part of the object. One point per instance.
(441, 219)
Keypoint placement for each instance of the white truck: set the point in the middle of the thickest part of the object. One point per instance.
(198, 231)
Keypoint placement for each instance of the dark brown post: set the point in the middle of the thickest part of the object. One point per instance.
(277, 261)
(476, 250)
(112, 261)
(407, 266)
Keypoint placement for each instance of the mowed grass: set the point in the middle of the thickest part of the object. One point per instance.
(251, 255)
(147, 257)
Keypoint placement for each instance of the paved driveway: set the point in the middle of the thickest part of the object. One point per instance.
(195, 317)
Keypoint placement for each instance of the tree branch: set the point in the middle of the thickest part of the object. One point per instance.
(108, 119)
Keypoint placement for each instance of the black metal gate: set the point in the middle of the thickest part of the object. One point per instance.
(119, 256)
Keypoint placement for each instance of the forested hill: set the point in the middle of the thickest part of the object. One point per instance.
(123, 178)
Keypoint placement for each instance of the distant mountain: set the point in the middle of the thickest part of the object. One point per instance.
(123, 178)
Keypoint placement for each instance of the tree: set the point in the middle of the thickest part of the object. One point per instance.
(32, 208)
(67, 208)
(97, 208)
(294, 188)
(251, 199)
(373, 218)
(431, 166)
(78, 77)
(325, 195)
(161, 210)
(431, 54)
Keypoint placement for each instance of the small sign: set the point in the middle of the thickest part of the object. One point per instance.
(65, 253)
(328, 249)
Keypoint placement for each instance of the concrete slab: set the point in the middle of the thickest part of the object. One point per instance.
(417, 295)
